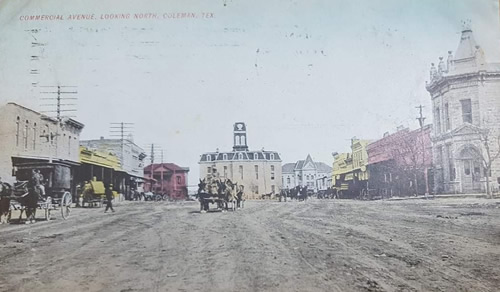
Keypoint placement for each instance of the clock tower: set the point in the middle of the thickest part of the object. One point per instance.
(240, 137)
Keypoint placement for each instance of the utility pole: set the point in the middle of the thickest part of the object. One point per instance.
(121, 130)
(57, 108)
(421, 120)
(155, 152)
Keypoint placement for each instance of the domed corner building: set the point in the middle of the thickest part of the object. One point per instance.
(259, 171)
(465, 93)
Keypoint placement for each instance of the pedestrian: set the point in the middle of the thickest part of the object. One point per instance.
(109, 197)
(41, 187)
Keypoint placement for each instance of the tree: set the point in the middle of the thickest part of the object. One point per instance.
(488, 153)
(411, 153)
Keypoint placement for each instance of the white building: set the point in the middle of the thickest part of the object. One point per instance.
(28, 136)
(131, 159)
(258, 171)
(314, 175)
(130, 155)
(465, 93)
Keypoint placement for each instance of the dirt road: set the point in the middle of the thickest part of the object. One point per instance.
(412, 245)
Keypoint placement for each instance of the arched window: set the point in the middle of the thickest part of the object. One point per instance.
(209, 157)
(34, 136)
(237, 140)
(255, 156)
(240, 156)
(25, 134)
(224, 156)
(69, 145)
(243, 140)
(272, 156)
(47, 134)
(18, 128)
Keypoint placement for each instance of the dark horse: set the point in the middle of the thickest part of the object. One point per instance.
(5, 193)
(27, 195)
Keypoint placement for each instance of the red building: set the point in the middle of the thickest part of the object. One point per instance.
(400, 164)
(169, 178)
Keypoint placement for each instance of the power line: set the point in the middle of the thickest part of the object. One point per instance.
(59, 106)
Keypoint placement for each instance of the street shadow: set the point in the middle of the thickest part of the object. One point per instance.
(18, 221)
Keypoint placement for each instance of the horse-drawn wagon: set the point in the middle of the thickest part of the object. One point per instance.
(93, 194)
(220, 192)
(40, 185)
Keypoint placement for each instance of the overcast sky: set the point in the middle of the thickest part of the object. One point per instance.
(305, 76)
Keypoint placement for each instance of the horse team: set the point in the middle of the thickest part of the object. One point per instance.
(222, 192)
(25, 193)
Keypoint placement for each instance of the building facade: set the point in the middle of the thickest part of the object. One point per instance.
(259, 172)
(465, 94)
(167, 178)
(314, 175)
(131, 159)
(349, 173)
(399, 163)
(26, 135)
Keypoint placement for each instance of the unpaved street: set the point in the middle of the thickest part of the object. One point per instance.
(411, 245)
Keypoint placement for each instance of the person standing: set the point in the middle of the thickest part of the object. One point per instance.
(41, 186)
(109, 197)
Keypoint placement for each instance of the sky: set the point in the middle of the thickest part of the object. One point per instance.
(305, 76)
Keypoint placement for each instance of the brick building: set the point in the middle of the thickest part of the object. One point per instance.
(399, 163)
(465, 94)
(168, 178)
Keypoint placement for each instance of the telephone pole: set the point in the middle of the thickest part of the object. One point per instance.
(59, 106)
(421, 120)
(155, 151)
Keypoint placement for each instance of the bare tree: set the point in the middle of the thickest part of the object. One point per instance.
(488, 153)
(409, 152)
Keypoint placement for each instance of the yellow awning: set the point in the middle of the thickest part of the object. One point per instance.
(98, 158)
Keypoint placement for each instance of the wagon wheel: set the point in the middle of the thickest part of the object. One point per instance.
(48, 207)
(66, 201)
(157, 198)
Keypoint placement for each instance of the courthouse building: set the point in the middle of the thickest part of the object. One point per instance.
(258, 171)
(465, 93)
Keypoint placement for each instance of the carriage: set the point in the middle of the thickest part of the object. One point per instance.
(92, 194)
(222, 193)
(56, 194)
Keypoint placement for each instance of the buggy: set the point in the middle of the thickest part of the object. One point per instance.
(55, 194)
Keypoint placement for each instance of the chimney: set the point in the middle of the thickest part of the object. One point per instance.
(449, 61)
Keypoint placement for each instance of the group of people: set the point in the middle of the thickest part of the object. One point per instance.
(299, 193)
(220, 188)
